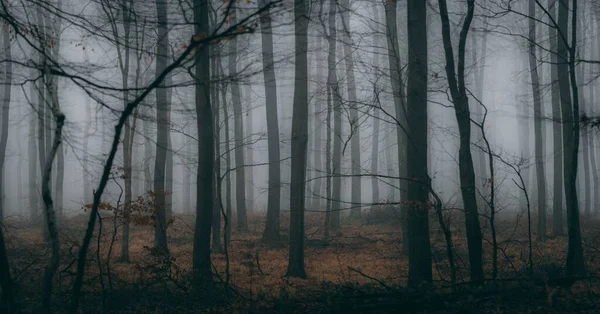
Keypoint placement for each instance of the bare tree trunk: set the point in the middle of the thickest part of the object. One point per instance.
(162, 134)
(537, 122)
(456, 81)
(299, 143)
(228, 198)
(558, 187)
(419, 253)
(41, 107)
(32, 155)
(333, 86)
(400, 108)
(240, 177)
(214, 94)
(50, 214)
(271, 233)
(249, 153)
(318, 143)
(6, 94)
(570, 111)
(206, 153)
(355, 212)
(375, 141)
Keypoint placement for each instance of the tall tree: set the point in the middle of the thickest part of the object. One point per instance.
(336, 103)
(569, 95)
(240, 175)
(162, 131)
(5, 110)
(201, 263)
(32, 154)
(375, 140)
(391, 21)
(271, 233)
(354, 119)
(419, 252)
(458, 92)
(557, 127)
(537, 121)
(299, 142)
(318, 143)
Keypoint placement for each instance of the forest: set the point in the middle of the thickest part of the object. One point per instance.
(299, 156)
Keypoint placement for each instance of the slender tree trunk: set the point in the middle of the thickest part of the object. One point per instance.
(456, 81)
(419, 253)
(375, 140)
(32, 155)
(214, 94)
(6, 94)
(570, 110)
(162, 133)
(355, 212)
(228, 197)
(332, 83)
(557, 128)
(169, 160)
(249, 153)
(271, 233)
(318, 143)
(537, 122)
(400, 108)
(41, 107)
(299, 143)
(240, 177)
(206, 153)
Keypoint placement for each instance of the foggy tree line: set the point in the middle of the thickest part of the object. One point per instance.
(204, 108)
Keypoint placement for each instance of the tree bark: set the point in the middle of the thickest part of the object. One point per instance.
(6, 98)
(419, 253)
(318, 143)
(570, 111)
(355, 212)
(240, 177)
(456, 82)
(206, 153)
(333, 86)
(391, 21)
(557, 128)
(162, 133)
(32, 155)
(299, 143)
(537, 124)
(271, 232)
(375, 141)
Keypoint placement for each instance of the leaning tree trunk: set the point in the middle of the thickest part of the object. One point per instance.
(456, 82)
(537, 124)
(162, 133)
(299, 143)
(355, 212)
(419, 250)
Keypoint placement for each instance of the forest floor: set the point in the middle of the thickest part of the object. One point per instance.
(361, 269)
